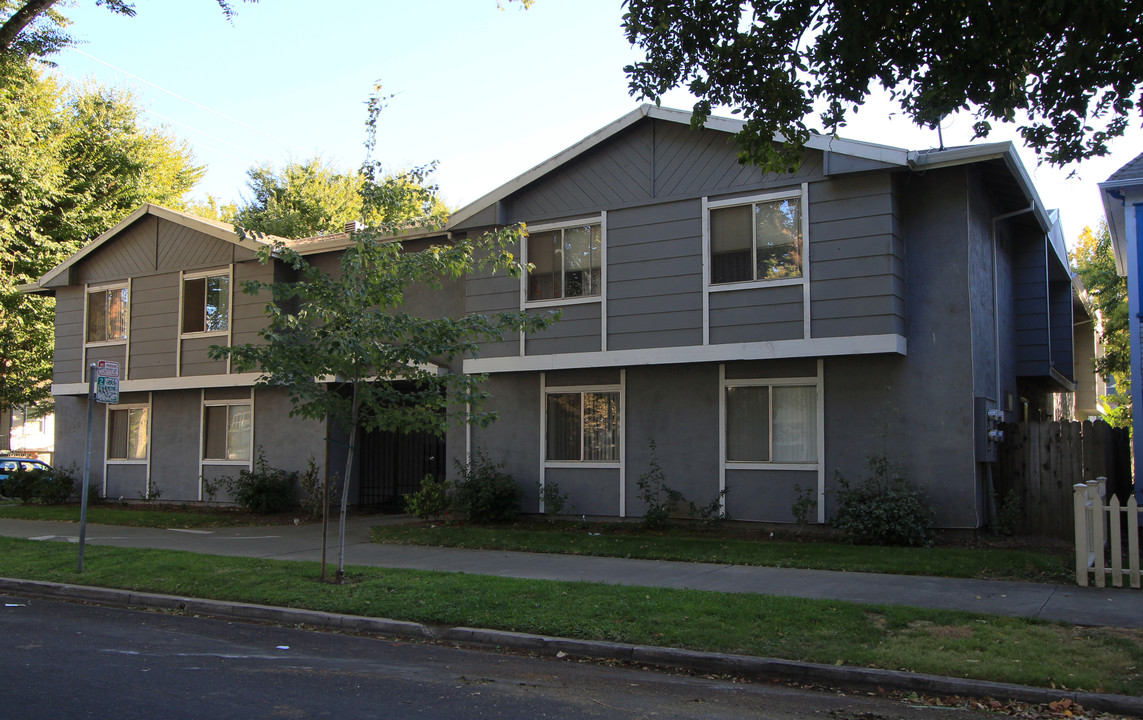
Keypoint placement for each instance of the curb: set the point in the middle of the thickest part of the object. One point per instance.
(756, 668)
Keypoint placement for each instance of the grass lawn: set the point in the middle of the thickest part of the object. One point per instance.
(739, 547)
(932, 641)
(143, 515)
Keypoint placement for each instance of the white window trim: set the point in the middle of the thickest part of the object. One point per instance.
(196, 275)
(621, 465)
(211, 462)
(87, 290)
(601, 298)
(150, 441)
(817, 382)
(802, 193)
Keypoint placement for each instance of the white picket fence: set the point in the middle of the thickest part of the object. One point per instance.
(1099, 534)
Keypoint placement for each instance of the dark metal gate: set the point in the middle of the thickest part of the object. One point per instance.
(393, 465)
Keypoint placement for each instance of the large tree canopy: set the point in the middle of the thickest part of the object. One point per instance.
(303, 199)
(1094, 263)
(72, 164)
(1068, 73)
(36, 28)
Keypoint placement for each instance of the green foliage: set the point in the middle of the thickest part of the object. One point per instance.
(484, 492)
(36, 29)
(1094, 262)
(150, 493)
(264, 490)
(885, 509)
(431, 501)
(72, 164)
(314, 488)
(805, 502)
(46, 487)
(661, 501)
(778, 62)
(1009, 515)
(554, 500)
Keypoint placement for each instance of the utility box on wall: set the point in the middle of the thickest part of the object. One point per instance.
(986, 423)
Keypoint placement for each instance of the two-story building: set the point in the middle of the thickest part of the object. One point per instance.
(765, 330)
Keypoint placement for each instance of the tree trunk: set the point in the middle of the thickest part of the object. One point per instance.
(345, 484)
(21, 19)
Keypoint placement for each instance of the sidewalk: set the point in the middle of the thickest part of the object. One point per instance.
(1115, 607)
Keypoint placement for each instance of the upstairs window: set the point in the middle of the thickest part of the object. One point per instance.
(107, 314)
(206, 303)
(565, 262)
(760, 240)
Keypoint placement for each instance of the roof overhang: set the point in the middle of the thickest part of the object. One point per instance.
(1113, 194)
(220, 230)
(868, 151)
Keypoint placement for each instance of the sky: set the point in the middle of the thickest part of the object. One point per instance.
(484, 91)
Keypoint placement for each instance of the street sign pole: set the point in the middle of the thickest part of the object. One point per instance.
(86, 464)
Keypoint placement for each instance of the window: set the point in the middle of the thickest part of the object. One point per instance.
(771, 423)
(128, 433)
(756, 241)
(582, 427)
(227, 431)
(206, 303)
(107, 314)
(566, 262)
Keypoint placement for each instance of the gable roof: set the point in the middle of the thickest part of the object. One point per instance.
(214, 228)
(888, 156)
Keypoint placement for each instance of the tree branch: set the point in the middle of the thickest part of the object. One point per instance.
(21, 19)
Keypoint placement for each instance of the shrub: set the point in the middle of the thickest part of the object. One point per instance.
(885, 509)
(48, 487)
(662, 502)
(431, 501)
(1009, 515)
(484, 492)
(804, 503)
(264, 490)
(554, 500)
(313, 490)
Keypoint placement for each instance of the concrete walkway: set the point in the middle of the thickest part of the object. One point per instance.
(1116, 607)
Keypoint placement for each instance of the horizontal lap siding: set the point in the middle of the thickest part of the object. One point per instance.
(578, 330)
(111, 353)
(488, 294)
(196, 360)
(69, 335)
(249, 312)
(857, 258)
(154, 326)
(654, 291)
(1030, 290)
(757, 315)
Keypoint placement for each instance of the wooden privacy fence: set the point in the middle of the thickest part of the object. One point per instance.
(1039, 463)
(1101, 526)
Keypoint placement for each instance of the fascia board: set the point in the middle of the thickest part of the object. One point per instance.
(548, 165)
(218, 231)
(1006, 151)
(1116, 225)
(870, 151)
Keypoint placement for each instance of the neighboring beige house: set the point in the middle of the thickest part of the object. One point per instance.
(28, 433)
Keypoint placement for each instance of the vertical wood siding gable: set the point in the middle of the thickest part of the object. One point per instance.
(181, 248)
(1030, 289)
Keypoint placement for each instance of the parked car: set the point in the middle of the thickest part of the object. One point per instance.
(8, 464)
